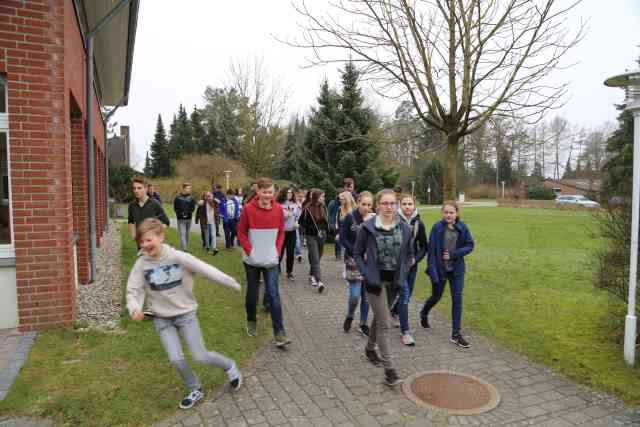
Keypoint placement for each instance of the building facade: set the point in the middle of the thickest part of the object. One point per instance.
(44, 214)
(120, 149)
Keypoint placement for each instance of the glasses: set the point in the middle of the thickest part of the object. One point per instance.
(387, 204)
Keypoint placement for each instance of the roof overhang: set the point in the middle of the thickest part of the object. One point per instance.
(113, 46)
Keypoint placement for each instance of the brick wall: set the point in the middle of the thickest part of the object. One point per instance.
(41, 53)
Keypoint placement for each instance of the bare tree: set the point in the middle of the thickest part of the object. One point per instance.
(560, 131)
(459, 62)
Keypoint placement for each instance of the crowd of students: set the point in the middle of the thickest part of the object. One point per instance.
(380, 238)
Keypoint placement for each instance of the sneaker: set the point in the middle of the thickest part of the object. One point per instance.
(147, 312)
(407, 339)
(252, 328)
(290, 277)
(266, 307)
(299, 257)
(215, 252)
(191, 399)
(460, 341)
(372, 356)
(312, 281)
(347, 324)
(235, 378)
(424, 322)
(364, 330)
(320, 287)
(282, 340)
(391, 377)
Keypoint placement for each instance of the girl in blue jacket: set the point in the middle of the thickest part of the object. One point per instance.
(449, 242)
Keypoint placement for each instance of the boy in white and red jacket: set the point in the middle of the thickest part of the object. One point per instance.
(261, 235)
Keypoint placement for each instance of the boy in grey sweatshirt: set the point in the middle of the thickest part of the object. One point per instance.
(164, 276)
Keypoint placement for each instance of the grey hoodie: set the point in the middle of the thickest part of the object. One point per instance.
(168, 282)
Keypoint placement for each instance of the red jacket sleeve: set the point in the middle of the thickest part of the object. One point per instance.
(243, 231)
(280, 239)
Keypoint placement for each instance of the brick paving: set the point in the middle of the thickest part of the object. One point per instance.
(322, 379)
(14, 348)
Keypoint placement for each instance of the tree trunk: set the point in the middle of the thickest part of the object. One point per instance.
(450, 190)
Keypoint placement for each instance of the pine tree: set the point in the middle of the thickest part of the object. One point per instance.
(160, 165)
(174, 147)
(199, 136)
(291, 156)
(148, 171)
(185, 132)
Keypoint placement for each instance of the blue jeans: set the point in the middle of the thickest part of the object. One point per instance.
(457, 285)
(401, 307)
(184, 228)
(357, 293)
(229, 232)
(298, 251)
(271, 289)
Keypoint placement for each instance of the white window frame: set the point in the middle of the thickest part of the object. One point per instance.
(7, 251)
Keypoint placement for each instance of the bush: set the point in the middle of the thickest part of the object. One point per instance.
(120, 178)
(540, 192)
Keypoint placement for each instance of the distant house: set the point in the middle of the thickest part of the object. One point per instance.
(45, 191)
(120, 148)
(572, 186)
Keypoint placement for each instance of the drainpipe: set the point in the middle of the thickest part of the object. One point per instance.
(90, 131)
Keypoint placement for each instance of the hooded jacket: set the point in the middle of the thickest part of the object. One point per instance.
(365, 252)
(167, 282)
(464, 246)
(418, 235)
(349, 230)
(261, 234)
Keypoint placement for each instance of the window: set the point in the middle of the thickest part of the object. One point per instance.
(6, 248)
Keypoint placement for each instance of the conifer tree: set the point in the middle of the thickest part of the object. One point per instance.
(199, 135)
(160, 165)
(148, 171)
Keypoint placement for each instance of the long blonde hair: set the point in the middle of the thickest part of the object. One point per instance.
(349, 205)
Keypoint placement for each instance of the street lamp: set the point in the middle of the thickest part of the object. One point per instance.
(227, 174)
(630, 82)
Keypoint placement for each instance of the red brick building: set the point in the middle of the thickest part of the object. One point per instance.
(44, 209)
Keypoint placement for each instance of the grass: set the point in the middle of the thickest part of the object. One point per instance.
(103, 379)
(529, 286)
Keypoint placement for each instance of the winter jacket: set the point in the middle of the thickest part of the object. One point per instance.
(226, 217)
(150, 209)
(168, 282)
(418, 235)
(348, 231)
(184, 205)
(464, 246)
(333, 210)
(365, 253)
(201, 213)
(261, 234)
(308, 223)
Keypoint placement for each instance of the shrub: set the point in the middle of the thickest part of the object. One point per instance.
(120, 178)
(540, 192)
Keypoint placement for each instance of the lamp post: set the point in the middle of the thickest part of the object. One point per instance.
(227, 174)
(630, 82)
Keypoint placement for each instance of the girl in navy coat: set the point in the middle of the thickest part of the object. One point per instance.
(449, 242)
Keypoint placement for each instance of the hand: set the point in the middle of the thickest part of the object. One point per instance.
(446, 256)
(137, 315)
(413, 262)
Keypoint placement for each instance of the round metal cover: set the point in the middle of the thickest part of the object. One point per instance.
(451, 392)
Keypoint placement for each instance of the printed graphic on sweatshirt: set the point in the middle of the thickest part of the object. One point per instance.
(164, 277)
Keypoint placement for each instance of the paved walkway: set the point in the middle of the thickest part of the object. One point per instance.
(324, 380)
(14, 348)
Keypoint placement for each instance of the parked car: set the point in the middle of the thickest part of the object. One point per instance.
(576, 200)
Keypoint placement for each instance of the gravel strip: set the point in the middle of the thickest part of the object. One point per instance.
(99, 304)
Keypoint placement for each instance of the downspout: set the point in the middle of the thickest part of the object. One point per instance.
(90, 131)
(105, 122)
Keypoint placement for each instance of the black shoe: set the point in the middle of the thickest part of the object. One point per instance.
(347, 324)
(267, 308)
(424, 322)
(372, 356)
(460, 341)
(364, 330)
(320, 287)
(299, 257)
(391, 377)
(215, 252)
(191, 399)
(290, 277)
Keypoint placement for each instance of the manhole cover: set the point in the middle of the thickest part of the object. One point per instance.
(451, 392)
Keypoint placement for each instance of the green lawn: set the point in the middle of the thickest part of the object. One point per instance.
(106, 379)
(529, 286)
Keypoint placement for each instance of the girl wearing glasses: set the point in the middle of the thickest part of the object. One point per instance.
(384, 255)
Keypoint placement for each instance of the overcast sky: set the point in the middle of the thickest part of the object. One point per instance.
(181, 47)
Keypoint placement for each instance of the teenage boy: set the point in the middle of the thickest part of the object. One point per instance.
(143, 207)
(261, 235)
(350, 185)
(151, 192)
(184, 205)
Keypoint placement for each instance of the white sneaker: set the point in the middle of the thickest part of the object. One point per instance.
(407, 339)
(312, 280)
(191, 399)
(320, 287)
(235, 378)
